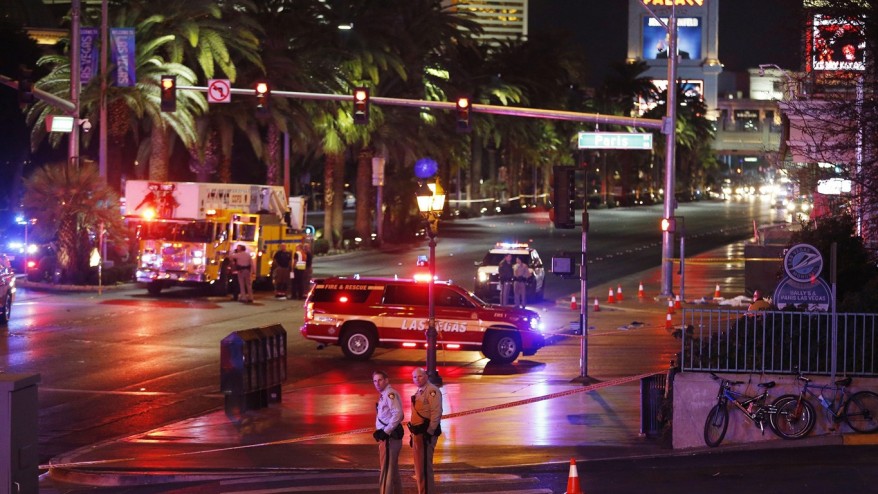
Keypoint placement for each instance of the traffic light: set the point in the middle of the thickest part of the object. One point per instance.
(263, 98)
(361, 106)
(564, 199)
(669, 225)
(169, 93)
(464, 120)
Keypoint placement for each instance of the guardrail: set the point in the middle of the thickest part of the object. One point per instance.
(779, 342)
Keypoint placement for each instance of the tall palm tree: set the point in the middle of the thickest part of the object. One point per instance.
(210, 37)
(135, 110)
(70, 204)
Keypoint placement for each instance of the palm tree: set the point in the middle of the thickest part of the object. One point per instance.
(70, 204)
(133, 109)
(694, 135)
(213, 38)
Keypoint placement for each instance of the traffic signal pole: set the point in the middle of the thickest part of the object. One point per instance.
(645, 123)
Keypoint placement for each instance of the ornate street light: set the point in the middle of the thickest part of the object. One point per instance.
(431, 201)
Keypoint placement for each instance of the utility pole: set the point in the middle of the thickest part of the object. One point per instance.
(73, 144)
(669, 129)
(102, 126)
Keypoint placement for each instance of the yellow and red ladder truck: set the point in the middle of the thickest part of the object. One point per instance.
(185, 231)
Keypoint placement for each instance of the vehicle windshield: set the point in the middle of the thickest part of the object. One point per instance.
(189, 231)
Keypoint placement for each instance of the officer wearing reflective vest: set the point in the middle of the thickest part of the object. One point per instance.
(425, 427)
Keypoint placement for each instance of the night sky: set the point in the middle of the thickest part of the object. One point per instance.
(751, 32)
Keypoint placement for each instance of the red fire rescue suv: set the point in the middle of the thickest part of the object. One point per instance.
(185, 230)
(365, 313)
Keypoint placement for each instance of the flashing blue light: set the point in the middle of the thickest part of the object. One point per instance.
(426, 168)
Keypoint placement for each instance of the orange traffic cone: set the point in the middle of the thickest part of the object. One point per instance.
(619, 293)
(573, 479)
(597, 306)
(716, 292)
(640, 293)
(573, 303)
(611, 299)
(668, 323)
(677, 304)
(671, 306)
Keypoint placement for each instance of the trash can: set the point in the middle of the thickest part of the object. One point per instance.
(253, 367)
(652, 393)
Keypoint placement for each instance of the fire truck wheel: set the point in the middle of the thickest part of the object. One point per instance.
(154, 288)
(501, 347)
(358, 342)
(221, 286)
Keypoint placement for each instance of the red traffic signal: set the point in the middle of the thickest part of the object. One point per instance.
(464, 120)
(263, 94)
(169, 93)
(361, 106)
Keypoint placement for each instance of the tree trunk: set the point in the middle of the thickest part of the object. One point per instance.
(329, 197)
(338, 205)
(158, 156)
(363, 220)
(272, 157)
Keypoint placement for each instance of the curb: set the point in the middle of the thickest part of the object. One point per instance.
(51, 287)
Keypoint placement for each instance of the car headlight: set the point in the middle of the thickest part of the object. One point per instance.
(483, 277)
(536, 324)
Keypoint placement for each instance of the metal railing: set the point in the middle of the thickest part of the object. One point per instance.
(779, 342)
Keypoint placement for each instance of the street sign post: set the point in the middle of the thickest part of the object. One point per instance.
(615, 140)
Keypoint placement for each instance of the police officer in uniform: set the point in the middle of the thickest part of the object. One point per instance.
(388, 433)
(425, 429)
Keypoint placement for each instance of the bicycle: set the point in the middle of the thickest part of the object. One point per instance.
(757, 411)
(859, 410)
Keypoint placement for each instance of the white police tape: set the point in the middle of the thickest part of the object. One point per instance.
(501, 406)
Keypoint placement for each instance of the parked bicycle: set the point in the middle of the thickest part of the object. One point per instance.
(859, 410)
(780, 418)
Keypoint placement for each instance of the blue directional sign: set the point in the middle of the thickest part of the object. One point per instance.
(615, 140)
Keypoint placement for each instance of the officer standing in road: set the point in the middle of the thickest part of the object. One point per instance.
(425, 428)
(519, 283)
(300, 265)
(243, 264)
(282, 261)
(388, 433)
(505, 274)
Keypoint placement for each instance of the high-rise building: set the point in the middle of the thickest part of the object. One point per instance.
(501, 20)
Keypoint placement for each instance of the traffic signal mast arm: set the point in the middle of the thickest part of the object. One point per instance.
(60, 103)
(646, 123)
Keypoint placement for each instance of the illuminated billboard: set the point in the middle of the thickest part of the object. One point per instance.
(836, 44)
(655, 38)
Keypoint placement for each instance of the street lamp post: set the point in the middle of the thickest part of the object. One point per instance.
(431, 201)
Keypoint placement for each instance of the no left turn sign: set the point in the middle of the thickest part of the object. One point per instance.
(219, 91)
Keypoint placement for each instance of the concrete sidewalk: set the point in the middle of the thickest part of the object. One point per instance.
(531, 412)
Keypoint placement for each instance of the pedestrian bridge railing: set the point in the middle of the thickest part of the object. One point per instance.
(779, 342)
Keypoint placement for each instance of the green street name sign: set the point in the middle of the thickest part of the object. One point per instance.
(615, 140)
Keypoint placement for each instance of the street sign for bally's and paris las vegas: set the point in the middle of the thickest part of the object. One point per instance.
(802, 286)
